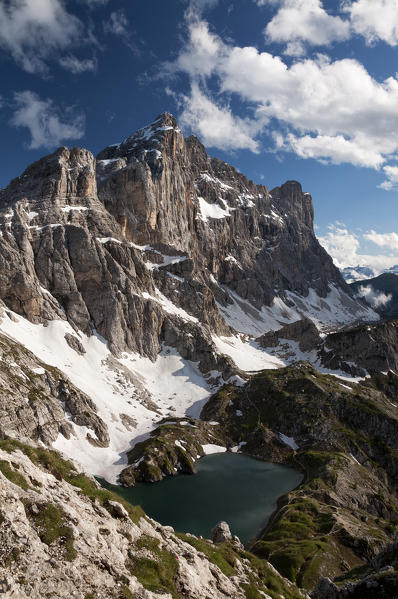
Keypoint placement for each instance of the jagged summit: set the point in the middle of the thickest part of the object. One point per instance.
(147, 140)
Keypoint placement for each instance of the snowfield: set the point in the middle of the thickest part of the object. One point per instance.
(335, 310)
(133, 393)
(175, 386)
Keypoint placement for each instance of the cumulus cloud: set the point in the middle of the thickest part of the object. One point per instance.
(392, 178)
(299, 22)
(216, 125)
(376, 299)
(387, 240)
(332, 111)
(335, 150)
(375, 20)
(303, 23)
(42, 118)
(32, 30)
(342, 245)
(345, 248)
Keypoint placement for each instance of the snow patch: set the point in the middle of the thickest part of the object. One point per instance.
(212, 210)
(116, 386)
(247, 354)
(210, 448)
(289, 441)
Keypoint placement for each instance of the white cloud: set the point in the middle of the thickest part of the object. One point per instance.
(375, 20)
(342, 245)
(334, 149)
(387, 240)
(376, 299)
(216, 125)
(302, 23)
(345, 248)
(327, 110)
(77, 66)
(392, 178)
(200, 56)
(117, 23)
(42, 118)
(299, 22)
(32, 30)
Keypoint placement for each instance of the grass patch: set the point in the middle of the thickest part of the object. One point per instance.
(49, 521)
(14, 477)
(156, 573)
(222, 554)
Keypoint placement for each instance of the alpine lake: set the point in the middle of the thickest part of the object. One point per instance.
(233, 487)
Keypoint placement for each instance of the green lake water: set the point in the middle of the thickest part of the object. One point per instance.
(231, 487)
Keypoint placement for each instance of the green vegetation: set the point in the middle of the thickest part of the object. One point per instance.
(62, 469)
(156, 573)
(14, 477)
(49, 521)
(222, 555)
(296, 540)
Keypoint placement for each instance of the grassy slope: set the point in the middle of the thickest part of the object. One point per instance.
(343, 512)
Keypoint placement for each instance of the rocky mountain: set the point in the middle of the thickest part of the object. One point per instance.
(154, 294)
(152, 254)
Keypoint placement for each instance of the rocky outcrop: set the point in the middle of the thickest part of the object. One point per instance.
(363, 348)
(303, 331)
(61, 535)
(221, 533)
(173, 447)
(378, 581)
(103, 242)
(38, 402)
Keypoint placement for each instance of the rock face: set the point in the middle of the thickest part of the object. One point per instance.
(38, 402)
(369, 347)
(152, 246)
(303, 331)
(103, 242)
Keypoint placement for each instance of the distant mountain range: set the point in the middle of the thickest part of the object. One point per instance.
(358, 273)
(380, 292)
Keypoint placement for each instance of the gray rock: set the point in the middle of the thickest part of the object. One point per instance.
(74, 343)
(221, 533)
(303, 331)
(119, 510)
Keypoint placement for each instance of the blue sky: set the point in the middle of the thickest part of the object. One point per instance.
(282, 89)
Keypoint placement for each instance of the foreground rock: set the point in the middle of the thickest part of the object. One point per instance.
(61, 535)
